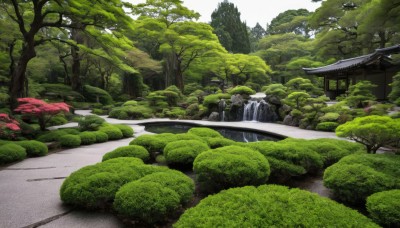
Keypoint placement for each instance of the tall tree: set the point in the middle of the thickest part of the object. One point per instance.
(231, 31)
(295, 21)
(256, 34)
(33, 17)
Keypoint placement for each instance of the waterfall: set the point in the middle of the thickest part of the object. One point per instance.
(221, 109)
(259, 111)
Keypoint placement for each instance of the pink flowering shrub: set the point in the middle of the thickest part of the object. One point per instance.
(9, 127)
(40, 109)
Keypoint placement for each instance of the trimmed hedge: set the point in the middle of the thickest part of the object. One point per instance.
(70, 141)
(355, 177)
(219, 142)
(55, 135)
(148, 202)
(181, 154)
(33, 148)
(128, 151)
(87, 137)
(154, 143)
(327, 126)
(113, 133)
(90, 123)
(131, 112)
(384, 208)
(100, 136)
(230, 166)
(126, 130)
(205, 132)
(270, 206)
(11, 153)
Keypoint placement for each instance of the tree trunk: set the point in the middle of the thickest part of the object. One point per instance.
(76, 83)
(179, 76)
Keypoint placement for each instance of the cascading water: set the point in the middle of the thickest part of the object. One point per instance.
(251, 111)
(259, 111)
(221, 109)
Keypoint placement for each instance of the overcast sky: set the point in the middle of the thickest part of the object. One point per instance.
(252, 11)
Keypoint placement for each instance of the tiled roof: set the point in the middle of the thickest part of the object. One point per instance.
(353, 63)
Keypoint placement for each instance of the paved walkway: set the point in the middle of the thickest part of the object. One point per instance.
(29, 190)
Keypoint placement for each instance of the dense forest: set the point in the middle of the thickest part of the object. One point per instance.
(71, 48)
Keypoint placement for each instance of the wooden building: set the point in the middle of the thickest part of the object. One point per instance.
(377, 67)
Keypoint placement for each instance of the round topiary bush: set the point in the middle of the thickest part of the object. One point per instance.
(270, 206)
(112, 132)
(33, 148)
(90, 123)
(243, 90)
(57, 120)
(181, 154)
(205, 132)
(147, 202)
(174, 180)
(327, 126)
(384, 208)
(230, 166)
(126, 130)
(95, 186)
(100, 136)
(219, 142)
(11, 153)
(128, 151)
(130, 103)
(154, 143)
(355, 177)
(87, 137)
(70, 141)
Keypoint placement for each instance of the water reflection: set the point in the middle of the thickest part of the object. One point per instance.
(238, 135)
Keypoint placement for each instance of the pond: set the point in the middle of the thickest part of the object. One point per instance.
(236, 134)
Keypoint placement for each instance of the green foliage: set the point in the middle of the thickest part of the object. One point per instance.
(230, 166)
(192, 87)
(175, 112)
(54, 135)
(90, 123)
(270, 206)
(303, 85)
(394, 95)
(360, 94)
(11, 153)
(33, 148)
(148, 202)
(243, 90)
(327, 126)
(154, 143)
(371, 131)
(130, 103)
(213, 99)
(100, 136)
(216, 142)
(355, 177)
(87, 137)
(70, 141)
(383, 208)
(131, 112)
(61, 91)
(128, 151)
(277, 90)
(296, 99)
(57, 120)
(113, 133)
(98, 95)
(288, 159)
(170, 96)
(181, 154)
(205, 132)
(127, 131)
(329, 117)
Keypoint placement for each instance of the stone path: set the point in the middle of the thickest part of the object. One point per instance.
(29, 190)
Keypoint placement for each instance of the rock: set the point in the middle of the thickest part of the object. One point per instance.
(291, 121)
(214, 116)
(284, 110)
(273, 100)
(237, 100)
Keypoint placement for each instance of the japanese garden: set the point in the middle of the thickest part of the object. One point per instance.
(136, 114)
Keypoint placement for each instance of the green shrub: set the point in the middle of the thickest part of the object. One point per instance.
(70, 141)
(350, 147)
(33, 148)
(147, 202)
(205, 132)
(384, 208)
(113, 133)
(95, 94)
(62, 91)
(174, 112)
(288, 159)
(130, 103)
(128, 151)
(175, 180)
(126, 130)
(181, 154)
(11, 153)
(243, 90)
(329, 117)
(192, 109)
(154, 143)
(355, 177)
(230, 166)
(215, 98)
(100, 136)
(219, 142)
(98, 111)
(90, 123)
(327, 126)
(51, 136)
(71, 131)
(87, 137)
(95, 186)
(57, 120)
(270, 206)
(131, 112)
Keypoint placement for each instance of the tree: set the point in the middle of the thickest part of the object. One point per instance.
(35, 17)
(303, 85)
(9, 127)
(231, 31)
(360, 94)
(371, 131)
(297, 99)
(394, 96)
(256, 34)
(290, 21)
(40, 109)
